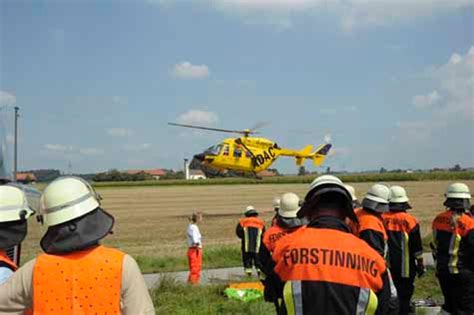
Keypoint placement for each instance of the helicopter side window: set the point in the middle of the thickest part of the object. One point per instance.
(226, 150)
(237, 152)
(214, 150)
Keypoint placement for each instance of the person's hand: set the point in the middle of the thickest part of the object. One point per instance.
(420, 270)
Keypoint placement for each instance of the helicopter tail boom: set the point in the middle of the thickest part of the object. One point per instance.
(318, 156)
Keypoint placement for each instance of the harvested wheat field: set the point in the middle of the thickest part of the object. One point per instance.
(151, 221)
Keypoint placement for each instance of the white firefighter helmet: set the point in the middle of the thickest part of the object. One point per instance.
(458, 191)
(351, 189)
(327, 184)
(66, 199)
(289, 206)
(18, 202)
(398, 194)
(276, 202)
(377, 198)
(250, 210)
(379, 193)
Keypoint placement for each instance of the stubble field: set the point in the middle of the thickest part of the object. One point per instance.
(151, 221)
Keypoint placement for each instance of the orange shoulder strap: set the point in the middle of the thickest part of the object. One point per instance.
(371, 222)
(78, 283)
(5, 259)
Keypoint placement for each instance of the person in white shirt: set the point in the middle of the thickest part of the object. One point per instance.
(194, 250)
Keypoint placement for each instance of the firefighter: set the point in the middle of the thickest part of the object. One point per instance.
(355, 201)
(453, 243)
(194, 250)
(287, 222)
(276, 207)
(323, 268)
(17, 204)
(370, 226)
(405, 246)
(76, 274)
(250, 230)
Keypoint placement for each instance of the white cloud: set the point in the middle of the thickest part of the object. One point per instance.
(198, 117)
(59, 148)
(455, 80)
(350, 14)
(7, 99)
(119, 100)
(119, 132)
(10, 138)
(140, 147)
(186, 70)
(72, 150)
(91, 151)
(426, 100)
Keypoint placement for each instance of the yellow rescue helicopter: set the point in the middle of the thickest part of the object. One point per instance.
(252, 154)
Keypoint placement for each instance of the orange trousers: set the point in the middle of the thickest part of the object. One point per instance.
(195, 264)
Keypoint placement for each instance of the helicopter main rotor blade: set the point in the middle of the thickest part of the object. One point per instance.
(243, 132)
(259, 125)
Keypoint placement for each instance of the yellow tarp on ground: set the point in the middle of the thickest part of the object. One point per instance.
(247, 285)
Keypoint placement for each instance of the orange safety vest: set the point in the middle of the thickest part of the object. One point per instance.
(253, 222)
(448, 238)
(5, 259)
(369, 221)
(87, 281)
(331, 256)
(275, 234)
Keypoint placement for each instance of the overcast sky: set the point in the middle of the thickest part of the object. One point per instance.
(391, 81)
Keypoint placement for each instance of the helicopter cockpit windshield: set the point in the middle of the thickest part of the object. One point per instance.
(214, 150)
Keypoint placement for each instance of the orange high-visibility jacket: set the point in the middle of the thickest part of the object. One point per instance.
(250, 230)
(329, 271)
(453, 242)
(274, 234)
(371, 229)
(4, 259)
(82, 282)
(404, 242)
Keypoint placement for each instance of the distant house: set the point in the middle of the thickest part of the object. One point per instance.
(267, 173)
(156, 173)
(25, 178)
(196, 174)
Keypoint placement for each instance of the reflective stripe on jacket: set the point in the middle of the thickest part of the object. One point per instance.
(330, 271)
(453, 240)
(404, 242)
(87, 281)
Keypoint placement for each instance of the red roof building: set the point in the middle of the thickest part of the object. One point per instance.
(25, 177)
(156, 173)
(267, 173)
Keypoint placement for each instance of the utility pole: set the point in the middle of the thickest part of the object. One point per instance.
(15, 153)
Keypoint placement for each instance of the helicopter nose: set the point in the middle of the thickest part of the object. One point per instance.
(200, 157)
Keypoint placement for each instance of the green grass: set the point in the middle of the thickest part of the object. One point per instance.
(170, 297)
(426, 242)
(214, 257)
(428, 287)
(352, 178)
